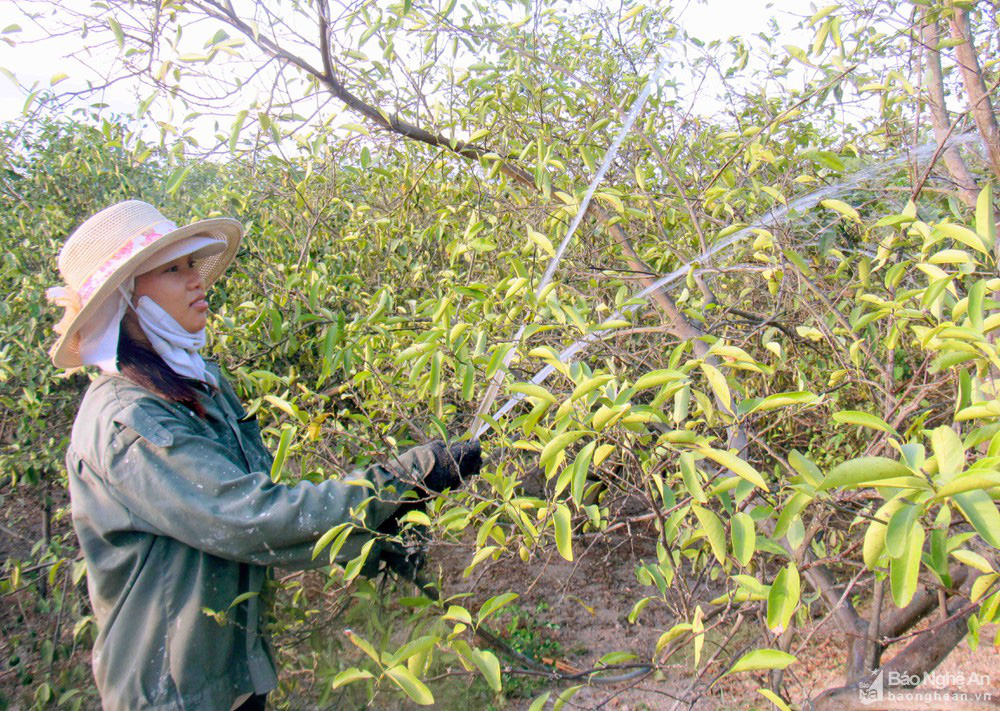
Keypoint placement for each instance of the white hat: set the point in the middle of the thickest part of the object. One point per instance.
(118, 243)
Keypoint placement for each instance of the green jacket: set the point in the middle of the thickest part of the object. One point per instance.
(176, 514)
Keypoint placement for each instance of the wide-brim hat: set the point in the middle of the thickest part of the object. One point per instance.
(110, 247)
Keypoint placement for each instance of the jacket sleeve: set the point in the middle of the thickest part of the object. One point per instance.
(183, 484)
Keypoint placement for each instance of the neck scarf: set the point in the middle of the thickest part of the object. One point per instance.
(178, 348)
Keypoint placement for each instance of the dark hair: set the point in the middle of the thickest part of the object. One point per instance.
(144, 366)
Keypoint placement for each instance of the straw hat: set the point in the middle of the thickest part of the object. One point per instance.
(118, 243)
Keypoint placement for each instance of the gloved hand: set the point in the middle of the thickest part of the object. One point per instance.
(453, 464)
(405, 558)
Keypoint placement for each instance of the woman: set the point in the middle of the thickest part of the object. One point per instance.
(171, 497)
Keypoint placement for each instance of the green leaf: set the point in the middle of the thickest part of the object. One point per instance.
(767, 693)
(975, 308)
(243, 597)
(744, 538)
(589, 385)
(864, 419)
(364, 645)
(355, 127)
(416, 516)
(564, 696)
(904, 571)
(608, 416)
(176, 178)
(279, 457)
(458, 613)
(411, 649)
(672, 634)
(762, 659)
(969, 481)
(689, 473)
(494, 604)
(735, 465)
(411, 685)
(863, 471)
(564, 531)
(981, 511)
(581, 465)
(543, 242)
(897, 534)
(874, 544)
(117, 30)
(714, 531)
(783, 598)
(804, 466)
(328, 537)
(777, 400)
(539, 703)
(792, 508)
(234, 133)
(356, 564)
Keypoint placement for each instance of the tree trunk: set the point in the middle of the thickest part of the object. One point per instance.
(922, 655)
(966, 184)
(975, 88)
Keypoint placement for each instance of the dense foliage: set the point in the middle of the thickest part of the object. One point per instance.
(806, 425)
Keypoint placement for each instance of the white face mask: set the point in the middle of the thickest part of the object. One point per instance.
(178, 348)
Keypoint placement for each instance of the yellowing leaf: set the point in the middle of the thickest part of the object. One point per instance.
(843, 208)
(864, 419)
(714, 531)
(543, 242)
(719, 386)
(736, 465)
(656, 378)
(533, 390)
(564, 531)
(411, 685)
(963, 235)
(863, 471)
(350, 675)
(489, 666)
(558, 444)
(783, 598)
(589, 385)
(762, 659)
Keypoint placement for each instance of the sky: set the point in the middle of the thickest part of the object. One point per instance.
(40, 64)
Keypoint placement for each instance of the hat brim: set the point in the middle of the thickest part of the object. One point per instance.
(66, 351)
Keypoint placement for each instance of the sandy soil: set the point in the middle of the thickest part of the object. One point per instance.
(588, 601)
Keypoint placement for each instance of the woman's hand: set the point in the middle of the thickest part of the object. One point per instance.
(453, 464)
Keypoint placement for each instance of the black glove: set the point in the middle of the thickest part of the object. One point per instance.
(453, 464)
(405, 556)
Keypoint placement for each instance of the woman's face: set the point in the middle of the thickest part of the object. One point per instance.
(179, 290)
